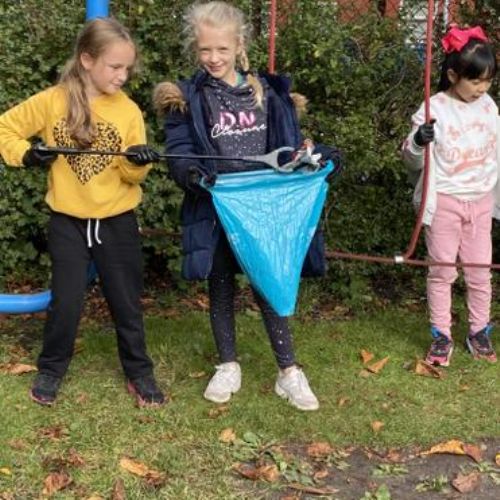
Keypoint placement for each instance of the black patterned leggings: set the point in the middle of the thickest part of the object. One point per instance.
(221, 290)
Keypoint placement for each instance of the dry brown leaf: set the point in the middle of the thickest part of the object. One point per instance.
(82, 398)
(427, 370)
(376, 425)
(152, 476)
(17, 368)
(227, 435)
(366, 356)
(497, 459)
(54, 482)
(319, 449)
(465, 483)
(96, 497)
(454, 446)
(267, 473)
(473, 451)
(118, 492)
(55, 433)
(218, 411)
(343, 401)
(320, 474)
(393, 456)
(197, 374)
(18, 444)
(248, 471)
(5, 471)
(376, 367)
(314, 491)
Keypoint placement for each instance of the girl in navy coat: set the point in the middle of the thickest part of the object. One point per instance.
(225, 110)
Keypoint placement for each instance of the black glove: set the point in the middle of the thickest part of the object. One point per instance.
(142, 155)
(195, 176)
(37, 156)
(424, 134)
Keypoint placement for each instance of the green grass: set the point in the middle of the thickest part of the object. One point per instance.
(100, 422)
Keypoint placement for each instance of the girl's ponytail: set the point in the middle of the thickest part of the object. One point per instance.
(78, 118)
(252, 80)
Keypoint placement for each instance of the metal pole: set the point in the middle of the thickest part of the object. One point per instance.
(97, 8)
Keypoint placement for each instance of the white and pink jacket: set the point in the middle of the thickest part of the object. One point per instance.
(465, 153)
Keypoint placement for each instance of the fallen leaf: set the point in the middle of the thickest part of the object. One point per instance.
(227, 435)
(366, 356)
(377, 425)
(320, 474)
(55, 433)
(82, 398)
(497, 459)
(473, 451)
(376, 367)
(197, 375)
(465, 483)
(393, 456)
(17, 368)
(5, 471)
(427, 370)
(454, 446)
(314, 491)
(118, 490)
(267, 473)
(17, 444)
(54, 482)
(319, 449)
(343, 401)
(248, 471)
(218, 411)
(365, 373)
(96, 497)
(152, 476)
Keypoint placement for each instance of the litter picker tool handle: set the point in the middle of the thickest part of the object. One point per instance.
(269, 159)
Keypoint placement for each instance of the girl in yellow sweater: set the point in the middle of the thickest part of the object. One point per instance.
(92, 200)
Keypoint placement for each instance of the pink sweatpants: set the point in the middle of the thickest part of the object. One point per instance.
(460, 229)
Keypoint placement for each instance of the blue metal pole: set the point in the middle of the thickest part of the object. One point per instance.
(97, 8)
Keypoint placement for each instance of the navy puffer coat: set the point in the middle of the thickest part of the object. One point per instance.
(186, 133)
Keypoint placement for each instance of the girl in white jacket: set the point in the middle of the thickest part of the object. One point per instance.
(463, 137)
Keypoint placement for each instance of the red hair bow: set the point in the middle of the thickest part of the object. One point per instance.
(456, 38)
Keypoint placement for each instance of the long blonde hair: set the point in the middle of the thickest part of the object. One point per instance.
(94, 38)
(220, 15)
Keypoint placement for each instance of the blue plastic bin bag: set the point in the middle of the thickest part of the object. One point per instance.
(270, 219)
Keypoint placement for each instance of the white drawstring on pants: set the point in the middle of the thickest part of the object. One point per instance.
(96, 232)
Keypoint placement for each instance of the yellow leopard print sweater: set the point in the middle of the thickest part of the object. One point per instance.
(85, 186)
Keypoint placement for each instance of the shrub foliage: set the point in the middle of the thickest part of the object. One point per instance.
(363, 81)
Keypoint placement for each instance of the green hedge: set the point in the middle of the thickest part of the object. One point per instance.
(363, 82)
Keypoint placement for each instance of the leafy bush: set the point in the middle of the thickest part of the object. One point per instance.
(362, 79)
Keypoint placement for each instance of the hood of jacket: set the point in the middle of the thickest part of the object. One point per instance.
(170, 97)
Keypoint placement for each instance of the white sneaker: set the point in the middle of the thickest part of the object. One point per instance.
(225, 382)
(292, 385)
